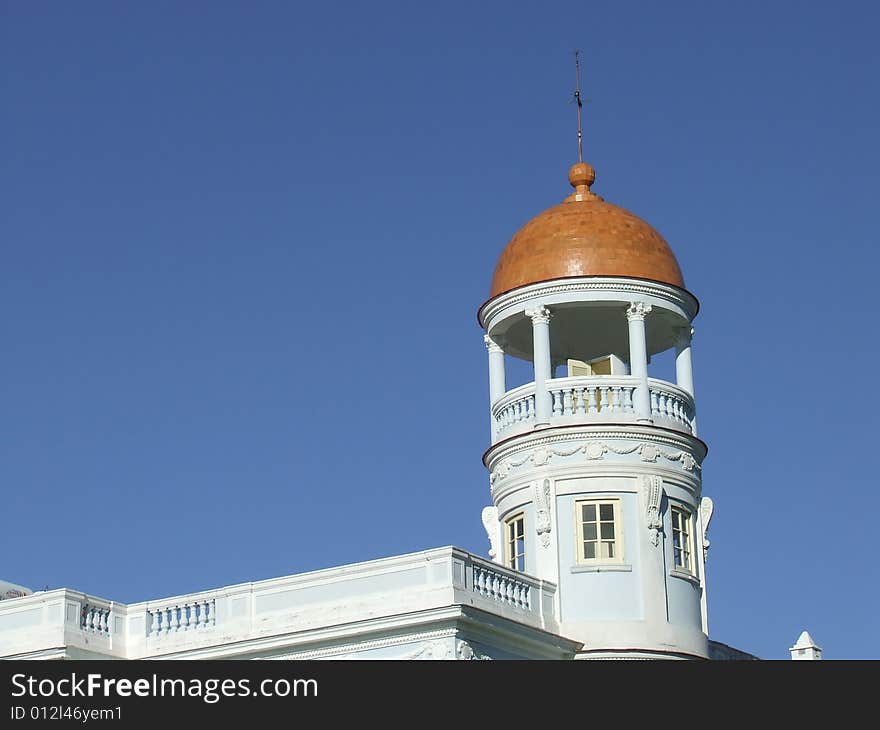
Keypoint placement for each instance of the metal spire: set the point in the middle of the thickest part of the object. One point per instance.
(577, 98)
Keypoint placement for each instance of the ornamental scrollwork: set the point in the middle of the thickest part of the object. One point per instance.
(543, 522)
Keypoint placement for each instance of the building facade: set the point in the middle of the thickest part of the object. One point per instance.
(598, 522)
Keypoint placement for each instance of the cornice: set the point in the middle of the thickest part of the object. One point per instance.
(628, 286)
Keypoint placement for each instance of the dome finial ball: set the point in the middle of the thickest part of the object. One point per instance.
(581, 174)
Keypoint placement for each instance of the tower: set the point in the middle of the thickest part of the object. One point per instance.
(595, 465)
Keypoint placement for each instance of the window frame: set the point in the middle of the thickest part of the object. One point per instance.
(688, 548)
(619, 545)
(511, 555)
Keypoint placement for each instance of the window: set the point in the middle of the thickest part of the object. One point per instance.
(599, 531)
(682, 532)
(515, 542)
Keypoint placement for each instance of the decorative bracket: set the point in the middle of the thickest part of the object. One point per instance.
(490, 523)
(652, 491)
(707, 507)
(543, 524)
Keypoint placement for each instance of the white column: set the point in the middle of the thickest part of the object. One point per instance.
(541, 355)
(638, 358)
(684, 368)
(497, 378)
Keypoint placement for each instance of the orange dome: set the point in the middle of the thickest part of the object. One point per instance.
(584, 236)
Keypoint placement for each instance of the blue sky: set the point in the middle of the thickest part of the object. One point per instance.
(243, 245)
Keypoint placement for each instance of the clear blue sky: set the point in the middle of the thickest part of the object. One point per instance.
(243, 245)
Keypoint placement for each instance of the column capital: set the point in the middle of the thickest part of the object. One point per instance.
(539, 315)
(637, 311)
(493, 344)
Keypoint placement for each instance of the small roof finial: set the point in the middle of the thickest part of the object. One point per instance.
(577, 98)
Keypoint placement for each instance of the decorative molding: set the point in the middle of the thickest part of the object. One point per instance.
(490, 523)
(543, 521)
(707, 507)
(680, 298)
(433, 650)
(594, 450)
(466, 652)
(627, 433)
(652, 493)
(637, 311)
(539, 315)
(361, 646)
(492, 345)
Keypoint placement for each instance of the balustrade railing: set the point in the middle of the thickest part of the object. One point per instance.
(497, 586)
(184, 616)
(591, 399)
(95, 619)
(581, 396)
(671, 403)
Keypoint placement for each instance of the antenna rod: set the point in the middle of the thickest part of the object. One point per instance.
(577, 98)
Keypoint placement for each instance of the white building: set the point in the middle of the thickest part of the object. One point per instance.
(598, 523)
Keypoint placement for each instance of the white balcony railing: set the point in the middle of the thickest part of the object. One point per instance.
(63, 623)
(593, 399)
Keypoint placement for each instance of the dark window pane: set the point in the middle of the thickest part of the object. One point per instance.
(589, 550)
(589, 512)
(606, 511)
(590, 531)
(608, 531)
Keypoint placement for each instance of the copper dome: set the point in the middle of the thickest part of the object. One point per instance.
(584, 236)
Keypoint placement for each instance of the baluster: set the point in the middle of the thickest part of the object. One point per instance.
(208, 619)
(567, 409)
(186, 616)
(478, 580)
(510, 593)
(628, 400)
(154, 623)
(617, 404)
(655, 406)
(592, 401)
(530, 403)
(579, 408)
(603, 398)
(664, 404)
(92, 615)
(496, 587)
(105, 621)
(557, 402)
